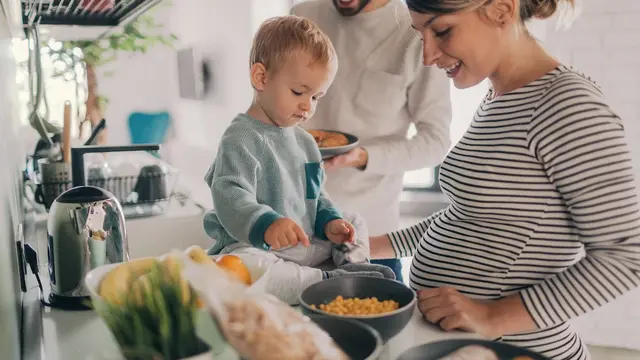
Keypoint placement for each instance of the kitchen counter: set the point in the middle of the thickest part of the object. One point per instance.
(52, 334)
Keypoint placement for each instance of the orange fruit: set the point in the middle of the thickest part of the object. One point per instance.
(234, 266)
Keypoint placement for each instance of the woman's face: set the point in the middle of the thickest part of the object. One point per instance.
(467, 45)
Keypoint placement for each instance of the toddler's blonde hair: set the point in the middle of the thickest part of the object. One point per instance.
(280, 37)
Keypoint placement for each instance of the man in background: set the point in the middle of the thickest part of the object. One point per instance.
(380, 90)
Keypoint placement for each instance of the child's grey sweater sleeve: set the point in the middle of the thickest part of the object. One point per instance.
(233, 187)
(326, 212)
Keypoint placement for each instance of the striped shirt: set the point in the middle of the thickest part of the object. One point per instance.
(543, 203)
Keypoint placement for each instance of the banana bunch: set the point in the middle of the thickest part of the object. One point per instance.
(132, 278)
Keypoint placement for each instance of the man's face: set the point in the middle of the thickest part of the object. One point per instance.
(350, 7)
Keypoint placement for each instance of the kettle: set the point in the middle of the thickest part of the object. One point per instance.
(85, 229)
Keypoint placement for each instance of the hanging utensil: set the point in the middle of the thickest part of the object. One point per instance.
(66, 133)
(95, 132)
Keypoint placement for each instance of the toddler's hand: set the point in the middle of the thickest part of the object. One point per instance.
(339, 231)
(285, 232)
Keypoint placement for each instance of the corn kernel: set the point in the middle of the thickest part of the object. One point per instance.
(357, 306)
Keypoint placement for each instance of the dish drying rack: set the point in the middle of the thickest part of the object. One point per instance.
(153, 188)
(150, 189)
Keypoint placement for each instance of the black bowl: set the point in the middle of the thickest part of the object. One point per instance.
(388, 324)
(359, 341)
(438, 349)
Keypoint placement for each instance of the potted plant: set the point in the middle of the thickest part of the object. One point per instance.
(156, 319)
(69, 56)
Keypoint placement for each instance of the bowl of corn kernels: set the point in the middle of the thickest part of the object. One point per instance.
(386, 305)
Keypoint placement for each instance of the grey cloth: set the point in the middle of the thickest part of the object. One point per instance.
(322, 250)
(356, 253)
(340, 272)
(373, 270)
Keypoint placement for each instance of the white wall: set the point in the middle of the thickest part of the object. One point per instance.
(604, 42)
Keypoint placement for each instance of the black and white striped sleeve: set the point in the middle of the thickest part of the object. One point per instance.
(581, 143)
(404, 242)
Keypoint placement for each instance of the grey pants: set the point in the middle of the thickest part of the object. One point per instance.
(291, 270)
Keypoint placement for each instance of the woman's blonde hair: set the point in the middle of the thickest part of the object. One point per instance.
(529, 9)
(280, 37)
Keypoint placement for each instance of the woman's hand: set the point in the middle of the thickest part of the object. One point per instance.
(451, 310)
(357, 158)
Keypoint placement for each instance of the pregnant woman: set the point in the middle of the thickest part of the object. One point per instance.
(544, 221)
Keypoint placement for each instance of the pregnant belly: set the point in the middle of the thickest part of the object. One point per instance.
(471, 270)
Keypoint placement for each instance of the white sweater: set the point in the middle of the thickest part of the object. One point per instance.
(381, 88)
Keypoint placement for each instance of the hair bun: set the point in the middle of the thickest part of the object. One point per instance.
(540, 9)
(545, 8)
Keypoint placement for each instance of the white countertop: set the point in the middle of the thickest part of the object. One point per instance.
(82, 335)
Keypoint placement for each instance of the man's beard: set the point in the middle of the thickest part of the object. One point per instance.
(350, 11)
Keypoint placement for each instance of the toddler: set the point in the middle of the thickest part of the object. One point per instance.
(266, 180)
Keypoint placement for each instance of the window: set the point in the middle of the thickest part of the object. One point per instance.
(464, 104)
(58, 89)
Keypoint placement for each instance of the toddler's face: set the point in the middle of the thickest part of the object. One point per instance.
(290, 95)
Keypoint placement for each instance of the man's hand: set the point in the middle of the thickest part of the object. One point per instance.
(283, 233)
(357, 158)
(340, 231)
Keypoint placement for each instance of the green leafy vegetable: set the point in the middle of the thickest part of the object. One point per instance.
(157, 321)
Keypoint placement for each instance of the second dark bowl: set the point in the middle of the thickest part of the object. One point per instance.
(357, 340)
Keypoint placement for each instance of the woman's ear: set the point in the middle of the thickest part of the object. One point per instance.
(503, 12)
(258, 76)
